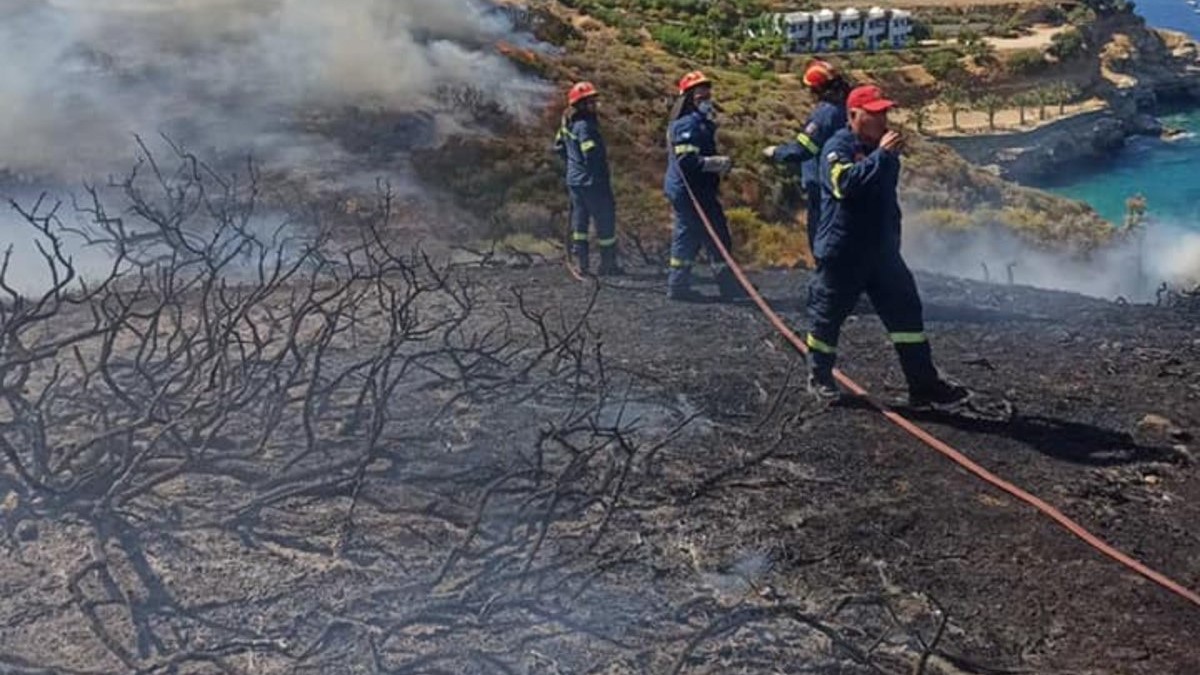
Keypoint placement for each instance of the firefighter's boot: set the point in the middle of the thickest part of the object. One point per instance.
(608, 262)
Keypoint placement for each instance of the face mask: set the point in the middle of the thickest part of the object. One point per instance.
(705, 107)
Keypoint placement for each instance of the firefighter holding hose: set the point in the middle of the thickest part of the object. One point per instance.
(804, 152)
(857, 247)
(693, 180)
(580, 143)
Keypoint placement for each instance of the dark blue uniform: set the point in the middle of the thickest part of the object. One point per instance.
(588, 183)
(693, 137)
(826, 120)
(857, 246)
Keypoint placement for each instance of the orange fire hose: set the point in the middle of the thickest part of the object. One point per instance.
(929, 439)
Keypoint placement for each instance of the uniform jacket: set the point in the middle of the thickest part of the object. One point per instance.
(826, 120)
(579, 143)
(692, 137)
(860, 208)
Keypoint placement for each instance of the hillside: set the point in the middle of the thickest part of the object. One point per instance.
(489, 469)
(513, 181)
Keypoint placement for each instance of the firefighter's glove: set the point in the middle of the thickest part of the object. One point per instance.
(769, 152)
(716, 164)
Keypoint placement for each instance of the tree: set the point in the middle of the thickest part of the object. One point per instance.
(1066, 44)
(954, 98)
(1026, 61)
(1022, 100)
(1135, 211)
(982, 52)
(920, 118)
(991, 104)
(941, 63)
(1043, 98)
(1062, 93)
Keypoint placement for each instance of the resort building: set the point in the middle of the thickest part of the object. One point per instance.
(826, 30)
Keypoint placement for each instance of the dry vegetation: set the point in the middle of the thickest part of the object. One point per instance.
(513, 181)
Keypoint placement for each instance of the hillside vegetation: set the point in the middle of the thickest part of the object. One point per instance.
(513, 181)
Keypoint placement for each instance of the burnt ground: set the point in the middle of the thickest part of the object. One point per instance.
(567, 478)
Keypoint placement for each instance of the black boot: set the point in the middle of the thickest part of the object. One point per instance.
(821, 382)
(940, 393)
(608, 262)
(581, 259)
(679, 285)
(731, 290)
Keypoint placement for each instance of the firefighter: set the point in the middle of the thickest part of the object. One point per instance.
(588, 183)
(857, 247)
(804, 153)
(693, 163)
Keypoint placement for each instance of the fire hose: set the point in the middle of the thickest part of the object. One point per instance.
(932, 441)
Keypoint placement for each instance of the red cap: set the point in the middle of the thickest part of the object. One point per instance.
(819, 74)
(870, 98)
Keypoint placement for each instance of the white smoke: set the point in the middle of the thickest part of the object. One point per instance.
(1132, 267)
(263, 77)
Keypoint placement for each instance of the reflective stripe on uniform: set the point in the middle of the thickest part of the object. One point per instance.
(566, 132)
(604, 243)
(587, 145)
(817, 345)
(808, 143)
(679, 263)
(579, 236)
(687, 149)
(908, 338)
(835, 176)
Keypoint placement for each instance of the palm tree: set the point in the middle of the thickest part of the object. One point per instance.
(1042, 97)
(955, 100)
(1022, 101)
(1063, 93)
(991, 104)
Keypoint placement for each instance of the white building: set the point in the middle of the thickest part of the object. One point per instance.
(825, 30)
(899, 28)
(798, 29)
(849, 27)
(875, 28)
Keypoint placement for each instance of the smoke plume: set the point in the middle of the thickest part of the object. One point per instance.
(1132, 267)
(273, 78)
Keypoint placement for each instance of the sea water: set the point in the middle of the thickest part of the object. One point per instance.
(1165, 172)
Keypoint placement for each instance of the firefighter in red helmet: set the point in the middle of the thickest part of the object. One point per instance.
(804, 152)
(693, 178)
(589, 186)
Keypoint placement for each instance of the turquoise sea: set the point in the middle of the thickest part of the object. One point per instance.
(1166, 172)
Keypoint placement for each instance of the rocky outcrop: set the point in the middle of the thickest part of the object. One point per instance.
(1140, 70)
(1040, 152)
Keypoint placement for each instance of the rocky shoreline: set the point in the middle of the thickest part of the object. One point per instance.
(1141, 73)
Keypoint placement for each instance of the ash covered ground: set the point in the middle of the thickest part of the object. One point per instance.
(353, 458)
(267, 439)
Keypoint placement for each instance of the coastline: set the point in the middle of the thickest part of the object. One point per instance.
(1143, 73)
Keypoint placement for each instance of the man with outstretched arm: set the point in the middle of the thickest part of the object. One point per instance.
(803, 153)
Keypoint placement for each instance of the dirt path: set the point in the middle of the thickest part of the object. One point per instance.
(1007, 120)
(1042, 37)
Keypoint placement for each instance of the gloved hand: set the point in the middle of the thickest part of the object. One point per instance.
(716, 164)
(769, 151)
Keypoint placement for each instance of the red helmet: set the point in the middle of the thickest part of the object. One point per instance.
(819, 74)
(692, 79)
(580, 91)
